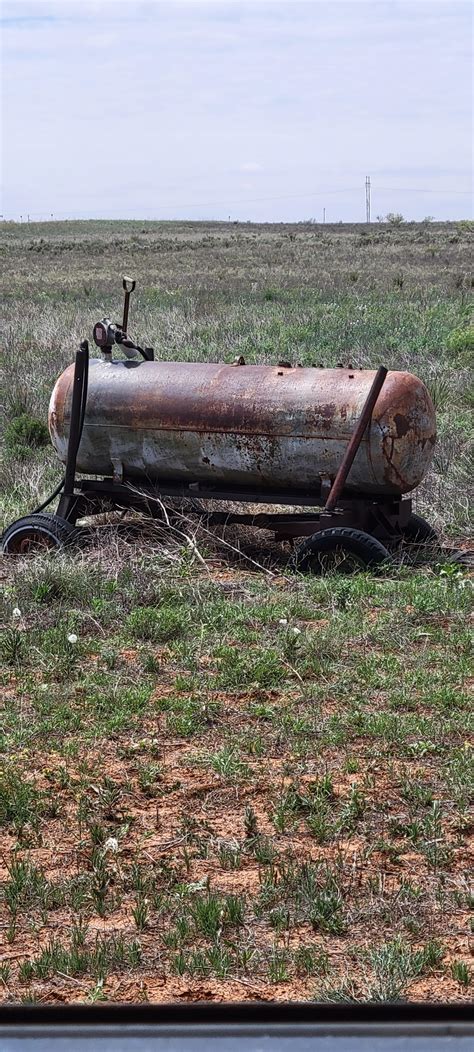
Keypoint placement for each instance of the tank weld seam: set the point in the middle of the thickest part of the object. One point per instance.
(325, 437)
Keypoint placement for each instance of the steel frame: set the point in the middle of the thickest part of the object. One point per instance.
(383, 519)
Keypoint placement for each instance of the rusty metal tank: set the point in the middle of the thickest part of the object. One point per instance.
(257, 426)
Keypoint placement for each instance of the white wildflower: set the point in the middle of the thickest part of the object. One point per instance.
(16, 613)
(72, 638)
(111, 844)
(297, 631)
(283, 621)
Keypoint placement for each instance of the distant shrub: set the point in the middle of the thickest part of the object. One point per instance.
(461, 342)
(465, 226)
(394, 218)
(271, 294)
(25, 433)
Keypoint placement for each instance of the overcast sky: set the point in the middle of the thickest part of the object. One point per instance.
(267, 110)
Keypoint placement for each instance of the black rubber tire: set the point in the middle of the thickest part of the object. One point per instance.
(364, 550)
(419, 531)
(36, 533)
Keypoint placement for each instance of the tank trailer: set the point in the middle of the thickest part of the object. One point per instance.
(345, 444)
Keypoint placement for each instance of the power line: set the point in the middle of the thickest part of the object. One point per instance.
(311, 193)
(237, 201)
(255, 200)
(419, 190)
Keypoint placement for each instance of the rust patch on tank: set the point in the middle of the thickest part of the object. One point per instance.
(402, 425)
(391, 470)
(327, 411)
(60, 398)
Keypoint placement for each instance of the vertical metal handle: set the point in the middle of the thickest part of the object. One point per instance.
(355, 440)
(128, 286)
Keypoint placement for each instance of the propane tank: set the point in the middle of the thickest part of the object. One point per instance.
(257, 426)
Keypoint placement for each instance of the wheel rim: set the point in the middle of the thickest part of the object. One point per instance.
(28, 541)
(337, 561)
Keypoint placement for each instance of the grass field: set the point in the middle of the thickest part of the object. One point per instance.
(218, 781)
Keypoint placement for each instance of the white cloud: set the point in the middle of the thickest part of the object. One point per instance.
(251, 166)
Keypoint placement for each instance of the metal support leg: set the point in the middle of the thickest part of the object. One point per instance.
(79, 393)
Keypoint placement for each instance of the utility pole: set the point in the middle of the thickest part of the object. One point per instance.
(367, 198)
(324, 215)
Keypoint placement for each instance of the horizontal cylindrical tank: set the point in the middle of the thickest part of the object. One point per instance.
(265, 427)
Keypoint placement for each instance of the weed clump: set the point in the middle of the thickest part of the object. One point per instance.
(158, 626)
(461, 342)
(20, 802)
(24, 434)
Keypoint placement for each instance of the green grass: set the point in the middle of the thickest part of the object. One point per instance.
(398, 296)
(243, 765)
(252, 783)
